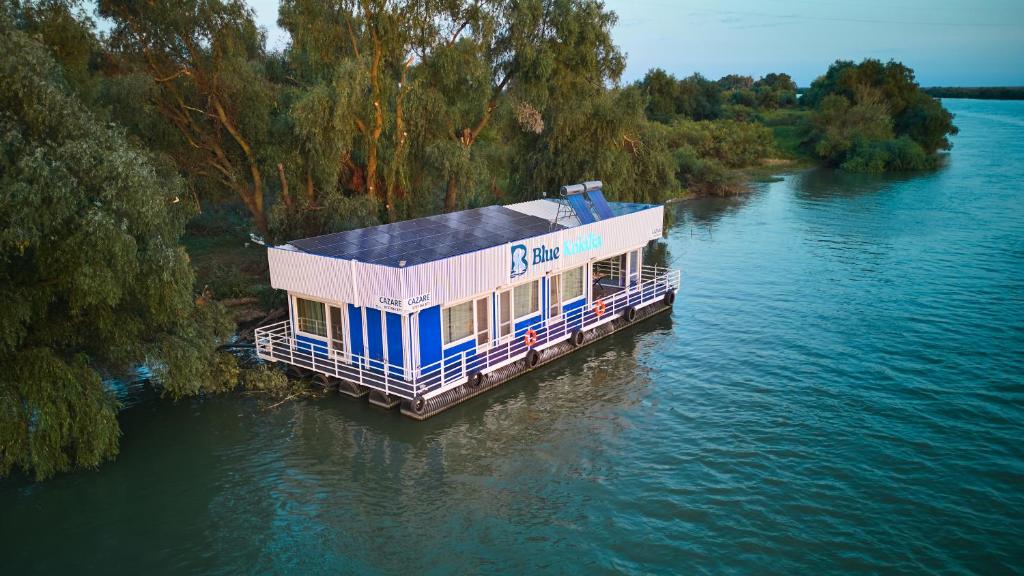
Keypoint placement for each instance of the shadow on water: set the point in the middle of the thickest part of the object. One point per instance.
(711, 209)
(830, 183)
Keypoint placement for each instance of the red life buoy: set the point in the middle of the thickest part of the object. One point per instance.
(530, 339)
(600, 308)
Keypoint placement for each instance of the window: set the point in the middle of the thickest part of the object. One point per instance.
(483, 335)
(554, 296)
(505, 313)
(310, 317)
(337, 331)
(464, 320)
(572, 284)
(458, 322)
(525, 299)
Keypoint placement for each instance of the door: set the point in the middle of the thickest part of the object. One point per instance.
(337, 333)
(634, 268)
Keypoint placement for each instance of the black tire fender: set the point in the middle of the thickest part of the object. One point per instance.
(670, 298)
(577, 338)
(322, 381)
(418, 405)
(476, 380)
(532, 358)
(630, 314)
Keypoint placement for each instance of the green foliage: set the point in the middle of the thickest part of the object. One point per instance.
(693, 97)
(93, 278)
(874, 117)
(775, 91)
(980, 93)
(732, 143)
(702, 176)
(607, 137)
(263, 378)
(891, 155)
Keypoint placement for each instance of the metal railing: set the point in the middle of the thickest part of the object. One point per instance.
(276, 342)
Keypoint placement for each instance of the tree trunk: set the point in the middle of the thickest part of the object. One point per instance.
(450, 193)
(310, 193)
(285, 195)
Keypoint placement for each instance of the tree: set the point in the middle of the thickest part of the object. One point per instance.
(874, 116)
(775, 91)
(699, 98)
(93, 279)
(731, 82)
(662, 91)
(694, 97)
(205, 60)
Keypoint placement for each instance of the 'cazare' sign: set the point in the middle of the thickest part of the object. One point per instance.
(403, 306)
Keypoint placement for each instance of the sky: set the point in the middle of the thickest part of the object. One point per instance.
(947, 42)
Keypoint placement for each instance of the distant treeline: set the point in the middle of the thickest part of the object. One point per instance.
(981, 93)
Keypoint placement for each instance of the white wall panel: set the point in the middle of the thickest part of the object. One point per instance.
(459, 277)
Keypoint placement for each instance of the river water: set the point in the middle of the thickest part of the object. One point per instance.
(840, 387)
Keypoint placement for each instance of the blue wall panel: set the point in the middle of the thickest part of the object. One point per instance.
(459, 348)
(522, 325)
(355, 328)
(307, 344)
(578, 303)
(430, 335)
(374, 339)
(394, 327)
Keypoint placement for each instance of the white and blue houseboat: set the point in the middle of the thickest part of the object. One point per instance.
(429, 312)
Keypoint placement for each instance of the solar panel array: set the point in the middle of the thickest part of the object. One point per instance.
(428, 239)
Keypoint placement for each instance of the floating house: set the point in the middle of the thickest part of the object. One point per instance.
(429, 312)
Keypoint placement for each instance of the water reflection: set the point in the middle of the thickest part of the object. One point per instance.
(830, 183)
(520, 455)
(592, 384)
(704, 211)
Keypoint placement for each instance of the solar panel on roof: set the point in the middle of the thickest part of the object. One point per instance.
(426, 239)
(600, 205)
(579, 206)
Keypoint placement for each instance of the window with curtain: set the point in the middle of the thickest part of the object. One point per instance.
(466, 319)
(572, 284)
(525, 299)
(458, 322)
(310, 316)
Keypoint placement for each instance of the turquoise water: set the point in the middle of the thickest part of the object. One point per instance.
(840, 388)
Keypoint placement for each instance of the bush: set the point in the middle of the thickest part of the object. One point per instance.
(264, 378)
(733, 144)
(703, 176)
(894, 155)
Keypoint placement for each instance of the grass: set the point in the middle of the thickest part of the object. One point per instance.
(229, 265)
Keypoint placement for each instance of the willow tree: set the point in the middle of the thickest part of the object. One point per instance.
(533, 56)
(349, 61)
(589, 131)
(93, 279)
(205, 59)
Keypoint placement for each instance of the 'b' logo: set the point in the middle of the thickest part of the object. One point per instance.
(519, 262)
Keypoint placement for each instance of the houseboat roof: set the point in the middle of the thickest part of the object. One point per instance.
(422, 240)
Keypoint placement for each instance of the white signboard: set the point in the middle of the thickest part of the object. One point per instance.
(400, 306)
